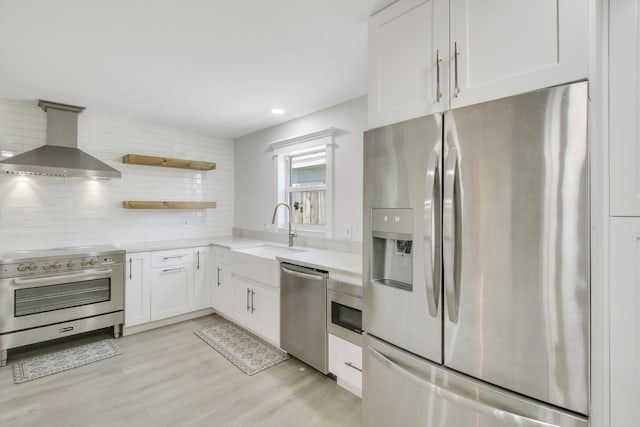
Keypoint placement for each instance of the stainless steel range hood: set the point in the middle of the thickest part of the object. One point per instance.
(61, 155)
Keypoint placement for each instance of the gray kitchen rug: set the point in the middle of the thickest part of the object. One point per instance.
(251, 354)
(52, 363)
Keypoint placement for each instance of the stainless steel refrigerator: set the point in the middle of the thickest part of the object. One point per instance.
(476, 265)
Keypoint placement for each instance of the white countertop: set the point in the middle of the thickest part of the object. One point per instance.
(341, 265)
(164, 244)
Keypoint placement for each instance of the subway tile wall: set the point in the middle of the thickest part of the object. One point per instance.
(45, 212)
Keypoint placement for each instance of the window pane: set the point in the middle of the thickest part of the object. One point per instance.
(309, 168)
(308, 207)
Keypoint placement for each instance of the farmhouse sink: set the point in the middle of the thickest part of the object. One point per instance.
(259, 263)
(270, 251)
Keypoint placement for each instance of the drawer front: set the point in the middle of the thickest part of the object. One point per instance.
(171, 257)
(345, 361)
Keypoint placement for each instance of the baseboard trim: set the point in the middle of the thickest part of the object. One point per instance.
(164, 322)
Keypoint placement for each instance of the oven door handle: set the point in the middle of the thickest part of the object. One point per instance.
(61, 279)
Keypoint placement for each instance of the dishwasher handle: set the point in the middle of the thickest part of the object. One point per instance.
(302, 275)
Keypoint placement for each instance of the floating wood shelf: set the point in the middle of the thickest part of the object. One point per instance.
(138, 204)
(138, 159)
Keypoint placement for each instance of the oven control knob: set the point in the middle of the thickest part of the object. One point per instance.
(71, 264)
(57, 265)
(84, 262)
(47, 266)
(93, 261)
(32, 267)
(22, 267)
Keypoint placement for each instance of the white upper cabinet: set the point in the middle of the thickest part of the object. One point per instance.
(506, 47)
(404, 41)
(624, 108)
(489, 49)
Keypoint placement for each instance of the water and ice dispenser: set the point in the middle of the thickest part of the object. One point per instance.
(391, 252)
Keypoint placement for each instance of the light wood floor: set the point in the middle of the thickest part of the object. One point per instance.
(170, 377)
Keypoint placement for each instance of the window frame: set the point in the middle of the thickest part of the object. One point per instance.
(282, 150)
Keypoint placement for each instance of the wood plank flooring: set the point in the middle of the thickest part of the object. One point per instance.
(170, 377)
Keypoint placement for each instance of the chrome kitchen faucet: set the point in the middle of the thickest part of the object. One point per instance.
(273, 221)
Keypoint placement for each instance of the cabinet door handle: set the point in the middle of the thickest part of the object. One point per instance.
(248, 293)
(456, 53)
(438, 61)
(198, 257)
(130, 268)
(219, 270)
(351, 365)
(252, 294)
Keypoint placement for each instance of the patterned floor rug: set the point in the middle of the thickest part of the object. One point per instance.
(63, 360)
(251, 354)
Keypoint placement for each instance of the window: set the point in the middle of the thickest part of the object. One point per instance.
(306, 182)
(304, 170)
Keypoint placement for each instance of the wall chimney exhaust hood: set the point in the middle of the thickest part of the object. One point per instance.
(60, 156)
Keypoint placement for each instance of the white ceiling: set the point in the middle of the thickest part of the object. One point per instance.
(211, 66)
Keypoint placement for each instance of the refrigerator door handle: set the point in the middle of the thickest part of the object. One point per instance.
(449, 234)
(431, 223)
(501, 414)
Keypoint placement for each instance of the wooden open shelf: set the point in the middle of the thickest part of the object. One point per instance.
(139, 159)
(138, 204)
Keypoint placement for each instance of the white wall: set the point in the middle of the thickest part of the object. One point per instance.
(255, 186)
(42, 212)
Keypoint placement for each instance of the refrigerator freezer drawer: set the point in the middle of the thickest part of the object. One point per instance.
(402, 389)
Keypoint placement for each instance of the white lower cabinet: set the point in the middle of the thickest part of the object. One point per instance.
(171, 290)
(256, 306)
(222, 295)
(625, 321)
(137, 294)
(202, 278)
(345, 362)
(167, 283)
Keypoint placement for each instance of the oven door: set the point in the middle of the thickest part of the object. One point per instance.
(344, 316)
(29, 302)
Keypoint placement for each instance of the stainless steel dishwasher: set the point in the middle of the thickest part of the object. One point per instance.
(303, 314)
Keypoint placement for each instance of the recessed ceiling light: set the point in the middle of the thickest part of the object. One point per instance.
(277, 111)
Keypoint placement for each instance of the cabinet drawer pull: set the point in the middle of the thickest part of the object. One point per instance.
(351, 365)
(173, 270)
(165, 258)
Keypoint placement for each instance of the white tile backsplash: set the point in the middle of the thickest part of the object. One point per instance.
(42, 212)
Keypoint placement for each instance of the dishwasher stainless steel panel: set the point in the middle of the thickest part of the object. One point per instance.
(303, 314)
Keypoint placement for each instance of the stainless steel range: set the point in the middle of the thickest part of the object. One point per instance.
(54, 293)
